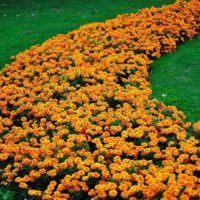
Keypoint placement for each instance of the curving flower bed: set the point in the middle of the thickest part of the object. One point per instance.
(76, 118)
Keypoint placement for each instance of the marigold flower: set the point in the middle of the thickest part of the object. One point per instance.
(35, 193)
(52, 173)
(23, 185)
(84, 115)
(112, 193)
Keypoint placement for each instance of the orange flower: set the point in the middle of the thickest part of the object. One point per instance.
(78, 108)
(52, 173)
(23, 185)
(35, 193)
(196, 126)
(112, 193)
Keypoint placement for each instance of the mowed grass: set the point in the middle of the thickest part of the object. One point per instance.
(175, 79)
(25, 23)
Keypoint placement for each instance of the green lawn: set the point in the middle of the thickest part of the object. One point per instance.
(27, 22)
(174, 77)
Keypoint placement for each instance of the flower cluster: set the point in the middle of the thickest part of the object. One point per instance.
(77, 121)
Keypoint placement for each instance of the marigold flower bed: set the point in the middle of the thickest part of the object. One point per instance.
(76, 118)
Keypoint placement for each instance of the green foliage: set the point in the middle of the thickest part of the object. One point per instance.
(6, 194)
(116, 122)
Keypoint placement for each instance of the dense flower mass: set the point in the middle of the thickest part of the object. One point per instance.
(77, 121)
